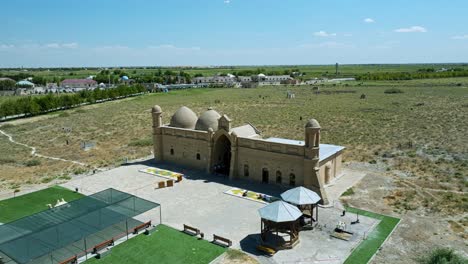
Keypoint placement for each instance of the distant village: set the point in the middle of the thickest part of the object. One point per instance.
(27, 87)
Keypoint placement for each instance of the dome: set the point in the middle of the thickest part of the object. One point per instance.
(312, 123)
(156, 109)
(184, 118)
(125, 78)
(208, 119)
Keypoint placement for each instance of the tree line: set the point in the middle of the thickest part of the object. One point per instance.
(423, 74)
(34, 105)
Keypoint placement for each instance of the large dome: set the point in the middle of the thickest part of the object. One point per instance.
(207, 120)
(313, 123)
(184, 118)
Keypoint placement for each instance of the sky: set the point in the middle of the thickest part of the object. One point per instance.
(85, 33)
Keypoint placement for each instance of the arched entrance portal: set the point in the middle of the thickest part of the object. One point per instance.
(222, 155)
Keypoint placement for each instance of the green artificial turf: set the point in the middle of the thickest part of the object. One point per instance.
(367, 248)
(165, 245)
(28, 204)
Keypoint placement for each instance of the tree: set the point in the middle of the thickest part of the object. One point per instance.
(7, 85)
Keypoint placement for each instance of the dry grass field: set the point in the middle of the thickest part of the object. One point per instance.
(416, 139)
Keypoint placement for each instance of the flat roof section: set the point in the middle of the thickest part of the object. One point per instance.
(326, 150)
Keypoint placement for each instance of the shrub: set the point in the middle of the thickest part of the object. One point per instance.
(393, 91)
(141, 142)
(33, 162)
(443, 256)
(6, 161)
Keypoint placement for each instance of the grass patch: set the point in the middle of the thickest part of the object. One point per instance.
(166, 245)
(348, 192)
(141, 142)
(367, 248)
(393, 91)
(24, 205)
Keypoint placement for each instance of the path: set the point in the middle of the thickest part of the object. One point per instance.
(34, 153)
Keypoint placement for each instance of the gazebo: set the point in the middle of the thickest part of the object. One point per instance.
(303, 198)
(277, 220)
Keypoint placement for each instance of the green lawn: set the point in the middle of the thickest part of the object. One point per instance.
(165, 245)
(24, 205)
(367, 248)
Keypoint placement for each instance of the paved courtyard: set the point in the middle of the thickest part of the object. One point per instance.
(199, 201)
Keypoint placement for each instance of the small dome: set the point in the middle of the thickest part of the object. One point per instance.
(156, 109)
(207, 120)
(312, 123)
(184, 118)
(125, 78)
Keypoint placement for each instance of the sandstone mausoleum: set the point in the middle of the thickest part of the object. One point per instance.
(210, 143)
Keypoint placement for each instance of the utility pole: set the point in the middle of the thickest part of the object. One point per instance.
(336, 69)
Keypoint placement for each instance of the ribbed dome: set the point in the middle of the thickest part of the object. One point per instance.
(312, 123)
(184, 118)
(207, 120)
(156, 109)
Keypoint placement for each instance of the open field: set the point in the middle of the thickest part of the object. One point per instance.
(309, 71)
(166, 245)
(28, 204)
(416, 142)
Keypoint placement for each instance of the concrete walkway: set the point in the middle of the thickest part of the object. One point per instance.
(348, 179)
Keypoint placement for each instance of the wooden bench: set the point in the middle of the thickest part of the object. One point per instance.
(103, 245)
(270, 251)
(170, 183)
(179, 178)
(191, 230)
(161, 184)
(217, 238)
(142, 226)
(71, 260)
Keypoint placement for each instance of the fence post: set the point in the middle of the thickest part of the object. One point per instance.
(126, 227)
(85, 249)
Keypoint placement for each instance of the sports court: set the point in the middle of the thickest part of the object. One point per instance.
(75, 228)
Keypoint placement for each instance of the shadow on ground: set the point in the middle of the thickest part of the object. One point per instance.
(192, 174)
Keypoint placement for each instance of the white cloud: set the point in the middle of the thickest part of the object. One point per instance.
(227, 1)
(411, 29)
(72, 45)
(460, 37)
(6, 46)
(327, 44)
(322, 33)
(347, 34)
(172, 47)
(52, 45)
(369, 20)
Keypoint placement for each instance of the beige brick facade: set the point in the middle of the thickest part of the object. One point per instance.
(209, 143)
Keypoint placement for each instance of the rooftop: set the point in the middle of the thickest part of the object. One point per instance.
(326, 150)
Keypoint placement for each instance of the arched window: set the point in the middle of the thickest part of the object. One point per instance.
(172, 151)
(265, 175)
(198, 156)
(278, 177)
(292, 179)
(246, 170)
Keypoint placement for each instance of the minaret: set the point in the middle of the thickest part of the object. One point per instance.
(157, 133)
(311, 159)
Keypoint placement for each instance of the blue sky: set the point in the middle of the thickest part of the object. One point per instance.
(56, 33)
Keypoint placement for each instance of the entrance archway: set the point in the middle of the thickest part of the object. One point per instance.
(222, 155)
